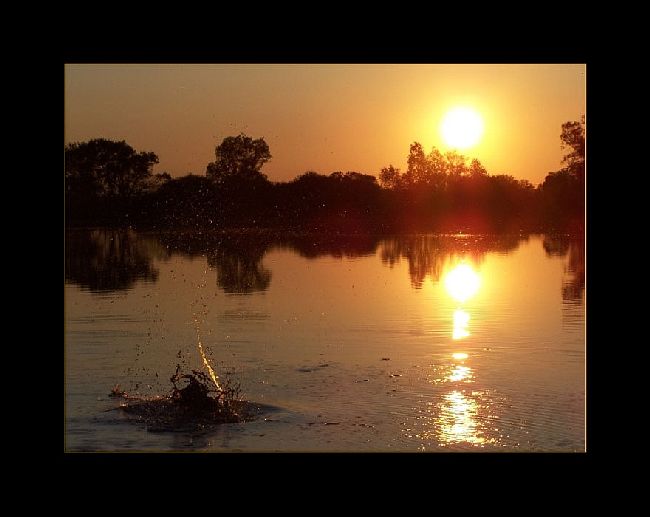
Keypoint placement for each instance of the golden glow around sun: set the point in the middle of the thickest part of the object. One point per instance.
(462, 283)
(462, 128)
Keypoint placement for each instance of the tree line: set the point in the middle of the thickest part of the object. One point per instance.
(109, 183)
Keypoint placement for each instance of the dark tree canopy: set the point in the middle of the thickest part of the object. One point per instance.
(417, 164)
(389, 177)
(430, 171)
(573, 138)
(109, 183)
(105, 168)
(563, 191)
(238, 157)
(456, 165)
(476, 169)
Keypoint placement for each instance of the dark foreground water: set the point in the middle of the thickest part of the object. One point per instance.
(413, 343)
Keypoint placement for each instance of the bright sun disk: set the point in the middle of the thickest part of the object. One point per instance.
(462, 128)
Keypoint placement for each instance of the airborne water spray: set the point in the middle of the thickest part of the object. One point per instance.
(213, 376)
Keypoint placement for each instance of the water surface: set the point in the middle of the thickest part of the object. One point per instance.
(410, 343)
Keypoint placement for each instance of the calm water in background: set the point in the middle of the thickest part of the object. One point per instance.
(413, 343)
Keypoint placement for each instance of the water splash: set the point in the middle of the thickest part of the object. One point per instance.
(206, 363)
(213, 375)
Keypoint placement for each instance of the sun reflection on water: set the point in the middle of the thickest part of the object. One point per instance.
(457, 419)
(462, 283)
(460, 373)
(459, 415)
(461, 321)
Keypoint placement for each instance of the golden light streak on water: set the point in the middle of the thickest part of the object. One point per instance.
(457, 420)
(213, 375)
(460, 373)
(461, 321)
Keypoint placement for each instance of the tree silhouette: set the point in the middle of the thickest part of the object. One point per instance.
(476, 169)
(573, 138)
(105, 168)
(239, 158)
(437, 169)
(432, 170)
(456, 164)
(563, 191)
(108, 183)
(155, 181)
(184, 202)
(390, 177)
(417, 165)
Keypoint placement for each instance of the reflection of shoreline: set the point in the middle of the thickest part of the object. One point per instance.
(431, 255)
(240, 270)
(573, 248)
(112, 260)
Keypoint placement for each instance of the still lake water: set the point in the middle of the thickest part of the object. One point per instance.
(411, 343)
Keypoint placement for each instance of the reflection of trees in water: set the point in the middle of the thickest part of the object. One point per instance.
(114, 259)
(428, 255)
(424, 256)
(573, 283)
(237, 257)
(556, 245)
(338, 246)
(110, 260)
(240, 270)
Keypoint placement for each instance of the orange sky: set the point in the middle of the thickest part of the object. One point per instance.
(325, 118)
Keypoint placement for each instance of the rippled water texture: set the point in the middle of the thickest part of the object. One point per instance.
(414, 343)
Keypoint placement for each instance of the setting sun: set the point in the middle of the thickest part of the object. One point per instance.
(393, 254)
(462, 128)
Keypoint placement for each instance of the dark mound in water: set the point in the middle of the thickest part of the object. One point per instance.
(165, 415)
(199, 405)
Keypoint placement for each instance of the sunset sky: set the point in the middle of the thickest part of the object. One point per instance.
(326, 118)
